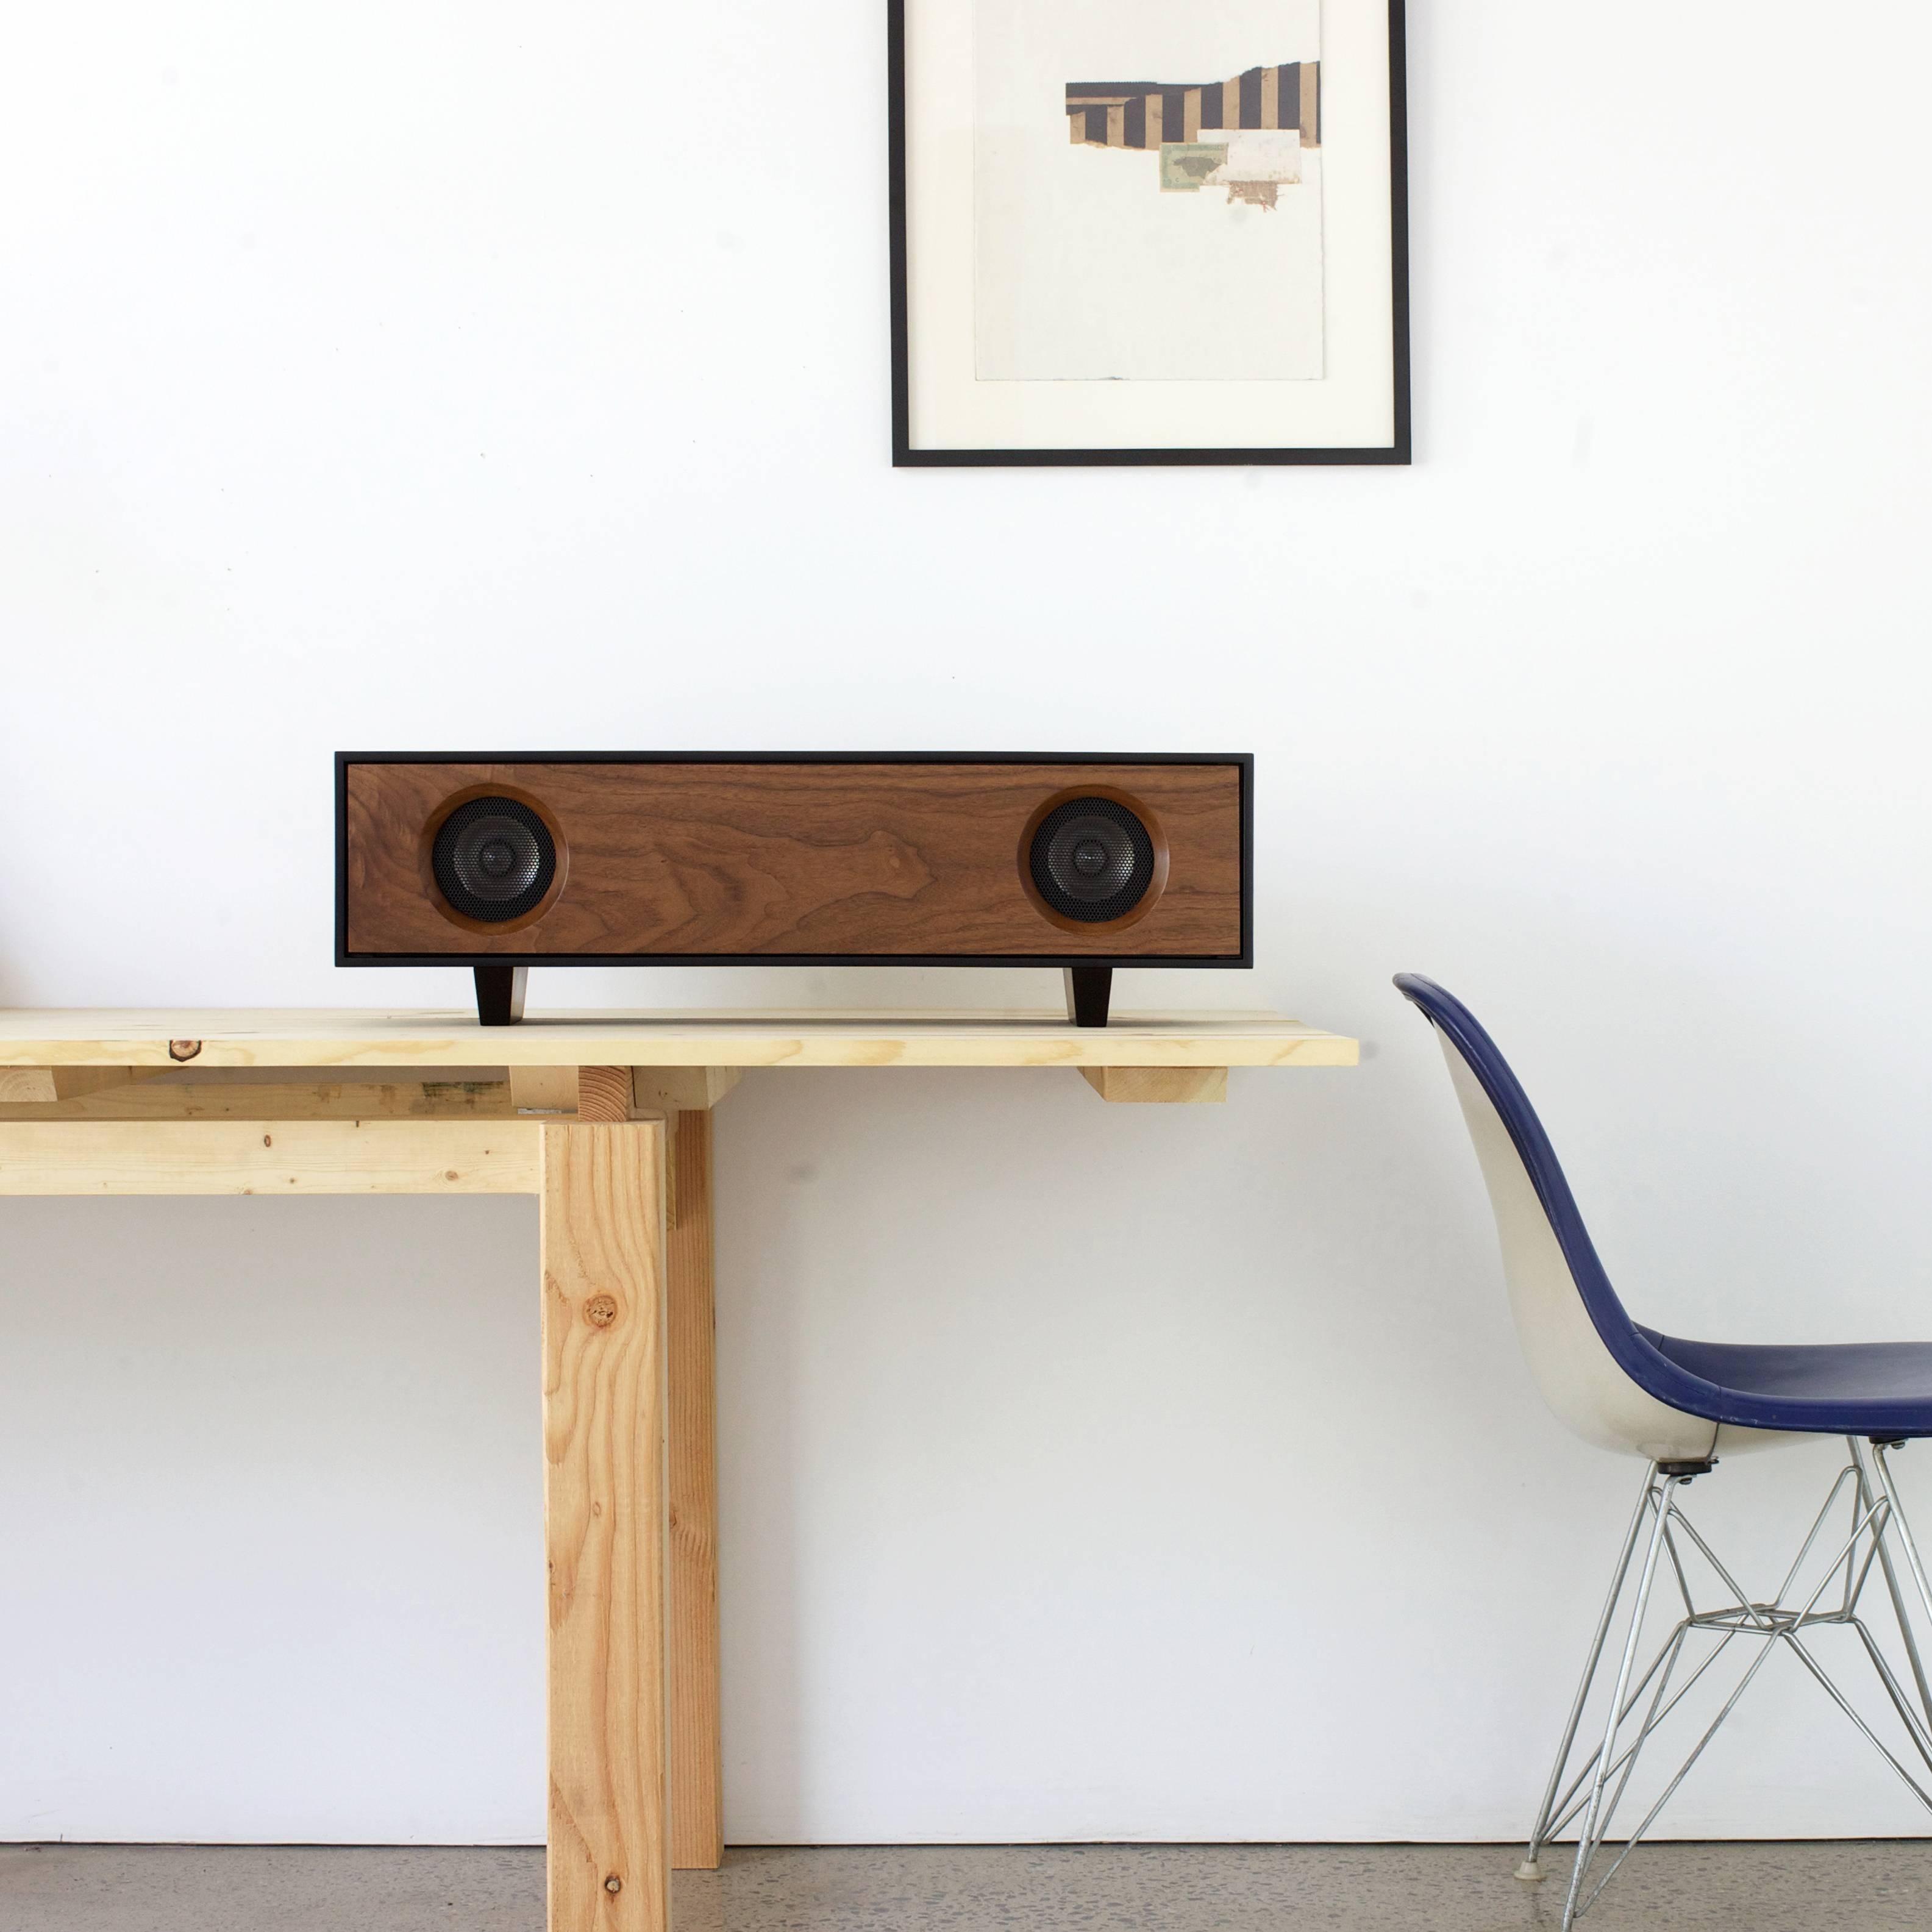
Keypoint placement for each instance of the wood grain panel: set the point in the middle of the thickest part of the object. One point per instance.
(879, 860)
(604, 1524)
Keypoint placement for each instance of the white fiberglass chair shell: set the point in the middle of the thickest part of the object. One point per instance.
(1681, 1406)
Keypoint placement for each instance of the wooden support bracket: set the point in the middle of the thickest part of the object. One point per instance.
(652, 1091)
(683, 1090)
(1169, 1085)
(544, 1089)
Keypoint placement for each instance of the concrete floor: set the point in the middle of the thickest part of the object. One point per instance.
(1882, 1886)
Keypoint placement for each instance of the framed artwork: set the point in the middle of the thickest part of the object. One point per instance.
(1133, 231)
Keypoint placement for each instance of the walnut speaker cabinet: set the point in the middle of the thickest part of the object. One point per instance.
(501, 861)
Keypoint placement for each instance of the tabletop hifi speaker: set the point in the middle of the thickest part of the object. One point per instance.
(503, 861)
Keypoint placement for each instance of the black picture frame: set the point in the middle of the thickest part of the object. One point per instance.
(904, 457)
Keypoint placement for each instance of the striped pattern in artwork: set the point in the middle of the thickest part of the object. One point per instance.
(1144, 113)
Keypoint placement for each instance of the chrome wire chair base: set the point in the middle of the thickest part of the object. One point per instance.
(1875, 1537)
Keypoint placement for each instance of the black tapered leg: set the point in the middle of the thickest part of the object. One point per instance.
(499, 995)
(1088, 988)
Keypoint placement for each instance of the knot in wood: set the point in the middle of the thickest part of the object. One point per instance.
(183, 1049)
(613, 1883)
(601, 1310)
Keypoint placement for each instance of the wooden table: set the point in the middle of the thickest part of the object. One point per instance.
(606, 1118)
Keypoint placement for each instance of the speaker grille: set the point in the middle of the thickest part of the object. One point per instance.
(1092, 860)
(493, 859)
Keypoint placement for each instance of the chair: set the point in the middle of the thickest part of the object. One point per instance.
(1682, 1406)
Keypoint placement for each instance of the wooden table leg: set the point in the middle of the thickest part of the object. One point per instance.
(697, 1766)
(605, 1523)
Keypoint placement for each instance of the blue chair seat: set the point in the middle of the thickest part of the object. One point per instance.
(1838, 1388)
(1881, 1389)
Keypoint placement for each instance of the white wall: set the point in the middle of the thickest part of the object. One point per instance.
(396, 376)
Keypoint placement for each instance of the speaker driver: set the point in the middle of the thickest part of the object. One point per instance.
(1092, 860)
(494, 859)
